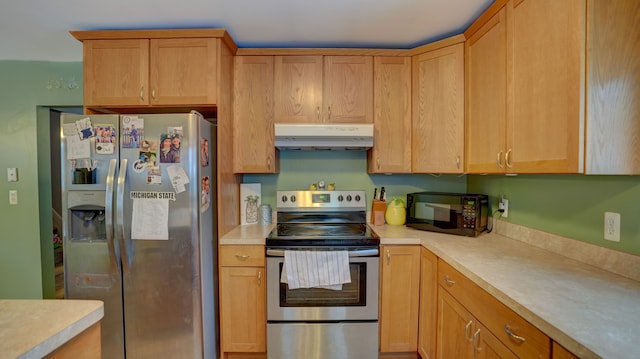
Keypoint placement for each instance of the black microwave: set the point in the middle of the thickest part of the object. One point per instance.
(463, 214)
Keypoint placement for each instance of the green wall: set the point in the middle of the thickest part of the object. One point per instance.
(348, 170)
(26, 266)
(569, 205)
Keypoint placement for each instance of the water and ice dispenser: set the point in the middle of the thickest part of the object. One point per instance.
(86, 215)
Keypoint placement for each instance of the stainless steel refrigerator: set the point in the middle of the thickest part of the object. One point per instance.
(139, 227)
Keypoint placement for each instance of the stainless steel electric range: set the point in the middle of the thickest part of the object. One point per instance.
(316, 322)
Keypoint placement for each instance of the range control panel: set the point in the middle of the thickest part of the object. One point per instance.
(321, 200)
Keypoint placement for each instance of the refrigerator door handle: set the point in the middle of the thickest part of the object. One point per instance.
(124, 244)
(111, 174)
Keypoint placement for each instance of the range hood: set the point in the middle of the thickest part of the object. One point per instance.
(323, 136)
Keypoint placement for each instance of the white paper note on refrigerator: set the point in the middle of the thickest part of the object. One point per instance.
(150, 219)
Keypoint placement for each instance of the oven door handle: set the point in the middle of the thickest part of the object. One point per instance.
(352, 253)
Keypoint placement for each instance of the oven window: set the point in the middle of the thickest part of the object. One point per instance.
(352, 294)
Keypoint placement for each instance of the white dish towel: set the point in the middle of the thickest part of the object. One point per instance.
(316, 269)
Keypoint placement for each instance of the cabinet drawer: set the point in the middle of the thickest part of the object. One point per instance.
(494, 315)
(242, 256)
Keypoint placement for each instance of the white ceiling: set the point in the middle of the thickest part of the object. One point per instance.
(39, 29)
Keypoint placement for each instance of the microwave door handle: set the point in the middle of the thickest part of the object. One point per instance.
(124, 244)
(111, 173)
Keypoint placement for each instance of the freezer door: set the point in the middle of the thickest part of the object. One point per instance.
(91, 261)
(160, 237)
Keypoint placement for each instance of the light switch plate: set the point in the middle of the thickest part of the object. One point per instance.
(12, 174)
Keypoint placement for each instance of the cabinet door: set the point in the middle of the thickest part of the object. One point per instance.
(348, 89)
(298, 89)
(116, 72)
(486, 101)
(243, 317)
(613, 111)
(455, 328)
(559, 352)
(487, 346)
(545, 133)
(254, 151)
(400, 282)
(183, 71)
(391, 152)
(428, 304)
(438, 111)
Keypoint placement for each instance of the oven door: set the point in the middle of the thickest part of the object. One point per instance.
(357, 300)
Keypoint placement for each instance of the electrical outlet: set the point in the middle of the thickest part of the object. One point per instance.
(13, 197)
(612, 226)
(504, 206)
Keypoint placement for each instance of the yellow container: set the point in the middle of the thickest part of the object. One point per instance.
(395, 213)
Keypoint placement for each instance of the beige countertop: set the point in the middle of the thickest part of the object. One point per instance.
(594, 313)
(33, 328)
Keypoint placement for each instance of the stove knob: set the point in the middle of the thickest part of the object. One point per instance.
(284, 198)
(357, 198)
(293, 198)
(348, 198)
(340, 198)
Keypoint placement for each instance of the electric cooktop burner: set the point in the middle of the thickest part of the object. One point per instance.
(321, 218)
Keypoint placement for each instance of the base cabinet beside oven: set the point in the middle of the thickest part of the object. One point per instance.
(242, 300)
(399, 298)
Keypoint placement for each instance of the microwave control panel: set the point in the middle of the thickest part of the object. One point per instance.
(469, 212)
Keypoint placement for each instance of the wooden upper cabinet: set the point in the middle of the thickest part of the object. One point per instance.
(348, 89)
(486, 96)
(545, 131)
(525, 88)
(298, 89)
(438, 111)
(183, 71)
(391, 152)
(141, 69)
(613, 73)
(116, 72)
(253, 131)
(316, 89)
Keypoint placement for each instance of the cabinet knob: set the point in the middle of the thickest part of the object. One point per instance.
(329, 114)
(260, 278)
(458, 162)
(378, 163)
(242, 258)
(153, 93)
(388, 257)
(141, 93)
(318, 113)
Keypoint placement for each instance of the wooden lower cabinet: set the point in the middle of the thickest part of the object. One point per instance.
(474, 324)
(243, 319)
(428, 304)
(461, 335)
(399, 298)
(559, 352)
(84, 345)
